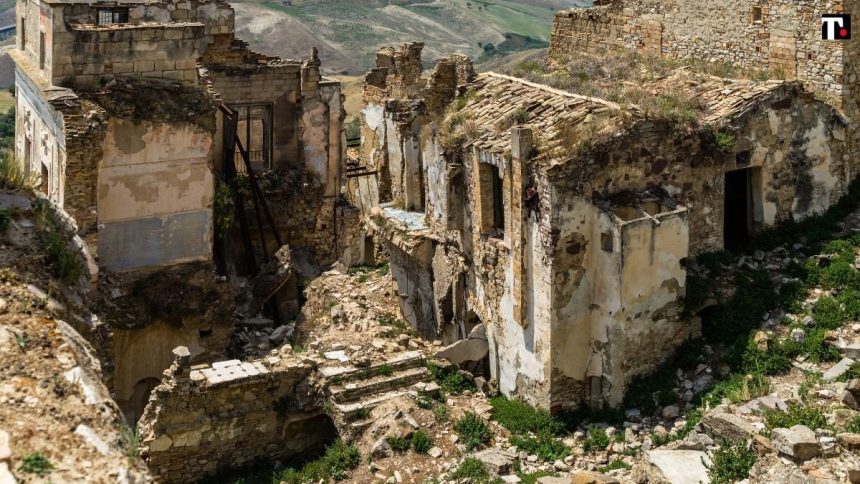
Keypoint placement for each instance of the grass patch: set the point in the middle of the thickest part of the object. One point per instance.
(534, 476)
(66, 264)
(471, 469)
(519, 417)
(854, 425)
(473, 431)
(545, 446)
(614, 465)
(595, 439)
(440, 412)
(338, 460)
(731, 462)
(398, 444)
(36, 463)
(449, 379)
(796, 414)
(421, 442)
(12, 176)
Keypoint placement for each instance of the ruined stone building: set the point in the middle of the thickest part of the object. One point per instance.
(120, 121)
(561, 224)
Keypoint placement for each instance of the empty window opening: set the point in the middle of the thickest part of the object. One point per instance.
(756, 15)
(44, 179)
(41, 50)
(255, 132)
(368, 256)
(110, 16)
(28, 147)
(23, 33)
(742, 199)
(492, 200)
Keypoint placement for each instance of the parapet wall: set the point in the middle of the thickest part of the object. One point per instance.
(230, 414)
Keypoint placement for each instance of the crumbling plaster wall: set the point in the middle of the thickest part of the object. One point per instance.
(798, 143)
(206, 418)
(787, 39)
(155, 192)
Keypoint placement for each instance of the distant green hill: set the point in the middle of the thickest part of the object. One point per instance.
(349, 33)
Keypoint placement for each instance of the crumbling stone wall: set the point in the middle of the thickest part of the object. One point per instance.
(786, 38)
(228, 414)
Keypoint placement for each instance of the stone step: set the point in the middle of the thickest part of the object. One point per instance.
(401, 361)
(348, 411)
(352, 391)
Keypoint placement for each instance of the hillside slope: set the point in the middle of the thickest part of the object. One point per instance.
(348, 34)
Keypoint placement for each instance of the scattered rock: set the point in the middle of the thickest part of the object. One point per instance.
(848, 441)
(851, 398)
(727, 426)
(681, 466)
(511, 479)
(435, 452)
(5, 449)
(798, 335)
(798, 442)
(497, 461)
(382, 449)
(587, 477)
(554, 480)
(838, 369)
(671, 412)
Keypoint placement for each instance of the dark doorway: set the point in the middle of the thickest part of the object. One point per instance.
(737, 210)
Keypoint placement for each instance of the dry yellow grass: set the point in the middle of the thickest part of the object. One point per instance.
(6, 101)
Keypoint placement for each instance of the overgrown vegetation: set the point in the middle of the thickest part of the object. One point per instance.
(473, 432)
(338, 460)
(534, 431)
(5, 219)
(731, 462)
(66, 263)
(471, 469)
(595, 439)
(36, 463)
(421, 442)
(12, 176)
(796, 414)
(130, 439)
(614, 465)
(449, 379)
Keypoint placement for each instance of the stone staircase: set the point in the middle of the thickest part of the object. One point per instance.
(354, 392)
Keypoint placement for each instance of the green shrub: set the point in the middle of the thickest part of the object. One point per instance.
(534, 476)
(545, 446)
(796, 414)
(425, 402)
(850, 301)
(440, 412)
(450, 379)
(473, 431)
(854, 425)
(731, 462)
(725, 141)
(339, 458)
(616, 464)
(399, 444)
(421, 442)
(519, 417)
(5, 219)
(595, 439)
(827, 313)
(472, 469)
(738, 388)
(36, 463)
(66, 264)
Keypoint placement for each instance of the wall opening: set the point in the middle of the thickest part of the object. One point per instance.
(41, 50)
(140, 396)
(43, 181)
(740, 195)
(28, 147)
(255, 132)
(110, 16)
(492, 200)
(23, 33)
(756, 15)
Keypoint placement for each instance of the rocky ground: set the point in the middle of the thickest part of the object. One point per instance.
(57, 421)
(771, 399)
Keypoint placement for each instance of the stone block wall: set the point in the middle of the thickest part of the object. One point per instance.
(786, 39)
(205, 418)
(168, 51)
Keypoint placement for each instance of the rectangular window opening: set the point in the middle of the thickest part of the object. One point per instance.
(756, 15)
(44, 181)
(492, 200)
(23, 33)
(41, 50)
(111, 16)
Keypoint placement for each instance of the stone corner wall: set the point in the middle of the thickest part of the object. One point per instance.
(229, 414)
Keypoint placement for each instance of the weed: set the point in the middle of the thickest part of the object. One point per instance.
(440, 412)
(421, 442)
(36, 463)
(130, 439)
(731, 462)
(22, 339)
(471, 469)
(473, 431)
(738, 388)
(384, 370)
(339, 458)
(725, 141)
(534, 476)
(425, 402)
(545, 446)
(12, 176)
(595, 439)
(67, 265)
(398, 444)
(615, 464)
(362, 413)
(519, 417)
(854, 425)
(796, 414)
(450, 380)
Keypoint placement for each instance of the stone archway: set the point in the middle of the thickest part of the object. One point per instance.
(140, 356)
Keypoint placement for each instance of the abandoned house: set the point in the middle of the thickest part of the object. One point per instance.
(546, 232)
(134, 118)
